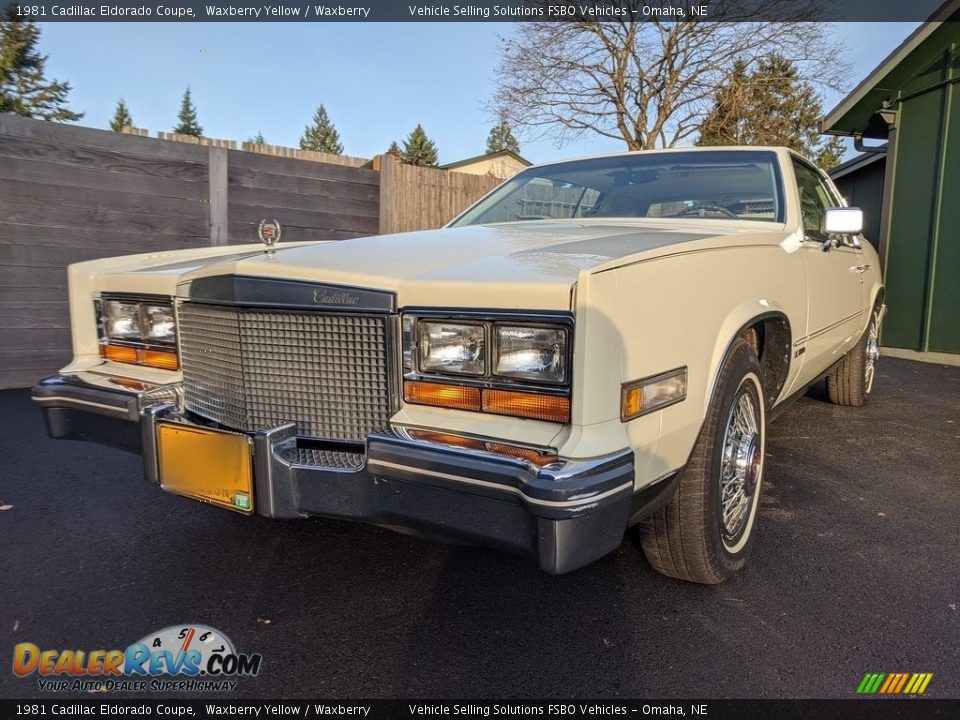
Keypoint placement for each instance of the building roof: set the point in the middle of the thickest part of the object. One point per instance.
(489, 156)
(857, 163)
(916, 54)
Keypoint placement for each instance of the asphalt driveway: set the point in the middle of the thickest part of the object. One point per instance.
(855, 570)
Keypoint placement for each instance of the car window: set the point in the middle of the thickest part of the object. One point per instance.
(729, 184)
(814, 200)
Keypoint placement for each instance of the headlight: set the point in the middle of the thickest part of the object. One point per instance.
(138, 331)
(131, 320)
(531, 353)
(451, 348)
(121, 320)
(158, 323)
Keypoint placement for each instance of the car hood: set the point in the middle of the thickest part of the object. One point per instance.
(530, 265)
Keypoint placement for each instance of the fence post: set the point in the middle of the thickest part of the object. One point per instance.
(388, 187)
(218, 206)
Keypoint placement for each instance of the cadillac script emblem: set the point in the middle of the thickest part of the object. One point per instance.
(269, 233)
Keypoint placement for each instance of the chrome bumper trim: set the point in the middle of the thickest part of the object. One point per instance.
(575, 503)
(73, 392)
(120, 411)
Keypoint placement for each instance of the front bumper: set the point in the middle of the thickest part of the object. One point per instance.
(564, 515)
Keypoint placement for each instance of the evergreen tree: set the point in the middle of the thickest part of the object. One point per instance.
(831, 153)
(501, 138)
(187, 117)
(769, 105)
(321, 136)
(418, 149)
(258, 138)
(24, 88)
(121, 117)
(394, 148)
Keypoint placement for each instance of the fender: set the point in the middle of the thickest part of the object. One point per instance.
(740, 321)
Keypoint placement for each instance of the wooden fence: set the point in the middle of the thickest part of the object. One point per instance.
(69, 193)
(417, 198)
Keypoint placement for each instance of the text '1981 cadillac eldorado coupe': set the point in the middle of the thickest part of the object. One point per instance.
(596, 345)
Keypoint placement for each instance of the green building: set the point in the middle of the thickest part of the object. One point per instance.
(908, 108)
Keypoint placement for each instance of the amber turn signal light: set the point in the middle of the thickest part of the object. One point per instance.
(530, 455)
(552, 408)
(441, 395)
(447, 439)
(162, 359)
(655, 393)
(536, 457)
(120, 353)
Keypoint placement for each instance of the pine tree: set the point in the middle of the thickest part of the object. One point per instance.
(121, 117)
(501, 138)
(770, 105)
(418, 149)
(394, 148)
(831, 153)
(187, 117)
(321, 136)
(24, 88)
(258, 139)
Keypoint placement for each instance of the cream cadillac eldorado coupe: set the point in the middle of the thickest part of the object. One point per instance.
(594, 346)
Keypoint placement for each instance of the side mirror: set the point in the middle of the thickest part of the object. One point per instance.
(843, 221)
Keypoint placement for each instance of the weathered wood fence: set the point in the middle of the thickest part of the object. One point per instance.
(70, 193)
(416, 198)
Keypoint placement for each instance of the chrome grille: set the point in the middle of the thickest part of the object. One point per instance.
(250, 369)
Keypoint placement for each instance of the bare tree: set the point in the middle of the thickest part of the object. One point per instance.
(649, 82)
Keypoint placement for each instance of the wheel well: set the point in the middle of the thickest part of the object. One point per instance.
(770, 339)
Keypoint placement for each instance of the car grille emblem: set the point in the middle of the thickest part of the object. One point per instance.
(269, 233)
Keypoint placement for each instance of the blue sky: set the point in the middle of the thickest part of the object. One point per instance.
(377, 80)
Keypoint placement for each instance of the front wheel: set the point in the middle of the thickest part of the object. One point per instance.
(706, 532)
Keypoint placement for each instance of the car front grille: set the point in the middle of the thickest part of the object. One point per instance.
(251, 368)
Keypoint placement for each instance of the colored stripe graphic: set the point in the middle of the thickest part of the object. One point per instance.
(903, 681)
(894, 683)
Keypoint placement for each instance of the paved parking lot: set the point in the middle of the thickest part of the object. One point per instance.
(855, 570)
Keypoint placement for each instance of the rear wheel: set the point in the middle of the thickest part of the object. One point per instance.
(706, 532)
(852, 380)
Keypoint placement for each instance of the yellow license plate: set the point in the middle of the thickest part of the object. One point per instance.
(207, 465)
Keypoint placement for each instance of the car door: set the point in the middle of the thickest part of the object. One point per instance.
(834, 267)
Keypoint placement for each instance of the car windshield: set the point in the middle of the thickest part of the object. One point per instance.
(737, 184)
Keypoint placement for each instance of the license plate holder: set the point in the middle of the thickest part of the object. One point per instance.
(212, 466)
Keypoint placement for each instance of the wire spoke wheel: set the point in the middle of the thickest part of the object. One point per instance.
(740, 467)
(872, 355)
(706, 532)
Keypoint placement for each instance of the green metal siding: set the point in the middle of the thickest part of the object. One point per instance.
(911, 222)
(943, 328)
(922, 261)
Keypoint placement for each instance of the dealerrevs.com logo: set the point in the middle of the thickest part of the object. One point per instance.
(184, 658)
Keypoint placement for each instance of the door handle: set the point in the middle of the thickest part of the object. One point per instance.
(859, 268)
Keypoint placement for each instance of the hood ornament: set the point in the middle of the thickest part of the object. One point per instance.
(269, 232)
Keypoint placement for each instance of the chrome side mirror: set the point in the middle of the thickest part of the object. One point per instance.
(843, 221)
